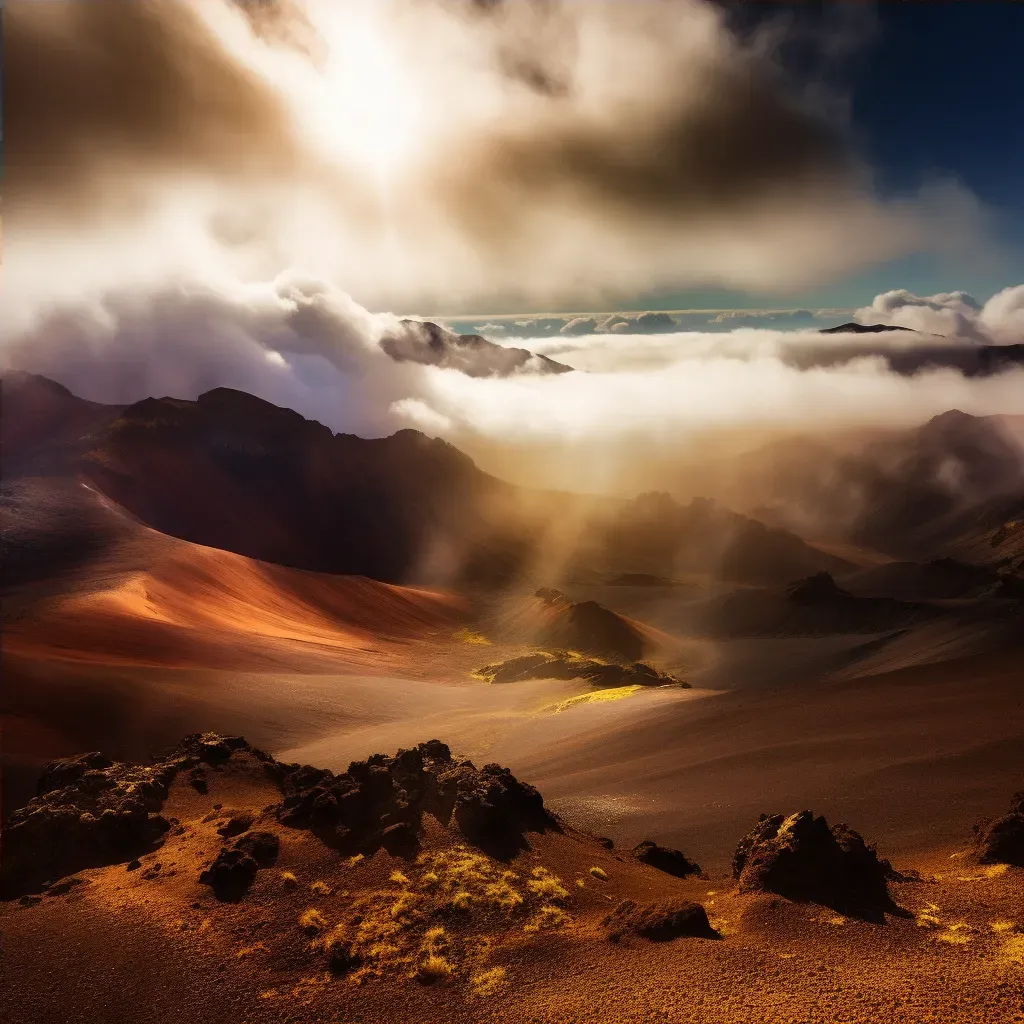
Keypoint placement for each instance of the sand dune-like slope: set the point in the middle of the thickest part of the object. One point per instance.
(198, 606)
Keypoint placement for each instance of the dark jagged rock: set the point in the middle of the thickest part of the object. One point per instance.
(802, 858)
(659, 922)
(263, 847)
(379, 802)
(92, 811)
(88, 816)
(237, 823)
(68, 770)
(664, 858)
(230, 874)
(1001, 841)
(197, 779)
(561, 665)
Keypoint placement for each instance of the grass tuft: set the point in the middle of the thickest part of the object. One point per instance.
(311, 921)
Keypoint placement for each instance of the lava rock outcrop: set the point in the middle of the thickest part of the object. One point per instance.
(234, 868)
(1001, 841)
(380, 802)
(802, 858)
(659, 922)
(91, 810)
(664, 858)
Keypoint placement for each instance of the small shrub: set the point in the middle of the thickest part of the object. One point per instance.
(311, 921)
(355, 860)
(461, 900)
(399, 879)
(488, 983)
(548, 918)
(433, 968)
(599, 873)
(546, 885)
(288, 880)
(320, 888)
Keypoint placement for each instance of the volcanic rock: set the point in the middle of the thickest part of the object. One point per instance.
(230, 874)
(664, 858)
(659, 922)
(1001, 841)
(802, 858)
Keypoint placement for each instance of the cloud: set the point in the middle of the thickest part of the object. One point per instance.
(422, 153)
(635, 398)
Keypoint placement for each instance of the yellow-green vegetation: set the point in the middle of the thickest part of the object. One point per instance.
(468, 636)
(288, 880)
(546, 885)
(548, 918)
(597, 697)
(438, 918)
(488, 983)
(355, 860)
(599, 873)
(320, 888)
(312, 921)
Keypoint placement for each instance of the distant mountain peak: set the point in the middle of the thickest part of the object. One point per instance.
(855, 328)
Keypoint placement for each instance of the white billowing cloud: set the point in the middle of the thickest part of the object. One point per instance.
(954, 315)
(425, 153)
(305, 344)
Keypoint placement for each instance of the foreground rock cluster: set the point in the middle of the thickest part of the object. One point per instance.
(90, 811)
(379, 802)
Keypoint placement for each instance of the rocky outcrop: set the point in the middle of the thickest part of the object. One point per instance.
(1001, 841)
(380, 802)
(804, 859)
(659, 922)
(234, 868)
(664, 858)
(562, 665)
(92, 811)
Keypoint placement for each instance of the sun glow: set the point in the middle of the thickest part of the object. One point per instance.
(364, 104)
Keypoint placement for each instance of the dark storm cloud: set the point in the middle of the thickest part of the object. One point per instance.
(727, 147)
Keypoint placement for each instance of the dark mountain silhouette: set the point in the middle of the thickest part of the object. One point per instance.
(854, 328)
(232, 471)
(419, 341)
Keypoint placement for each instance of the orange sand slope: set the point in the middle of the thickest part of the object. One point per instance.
(202, 607)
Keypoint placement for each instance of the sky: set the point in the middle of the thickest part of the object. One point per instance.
(254, 193)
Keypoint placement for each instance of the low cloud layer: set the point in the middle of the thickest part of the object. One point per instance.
(953, 315)
(422, 154)
(633, 399)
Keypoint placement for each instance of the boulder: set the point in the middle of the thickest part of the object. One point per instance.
(1001, 841)
(659, 922)
(664, 858)
(802, 858)
(230, 874)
